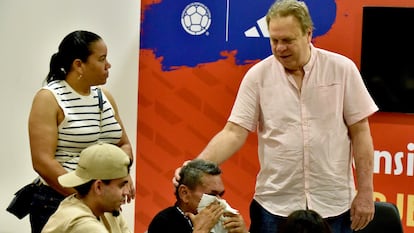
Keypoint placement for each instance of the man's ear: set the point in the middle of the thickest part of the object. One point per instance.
(309, 35)
(97, 187)
(184, 193)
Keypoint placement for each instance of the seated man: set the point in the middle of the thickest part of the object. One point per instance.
(100, 180)
(198, 177)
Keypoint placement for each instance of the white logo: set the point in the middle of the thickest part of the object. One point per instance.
(255, 31)
(196, 18)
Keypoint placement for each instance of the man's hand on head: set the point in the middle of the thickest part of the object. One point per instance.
(176, 178)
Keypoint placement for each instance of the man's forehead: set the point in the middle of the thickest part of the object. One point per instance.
(211, 183)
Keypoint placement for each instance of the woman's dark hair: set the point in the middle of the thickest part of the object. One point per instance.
(305, 221)
(75, 45)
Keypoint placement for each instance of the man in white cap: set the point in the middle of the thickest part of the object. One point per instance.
(100, 180)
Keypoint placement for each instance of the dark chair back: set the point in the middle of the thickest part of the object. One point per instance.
(386, 219)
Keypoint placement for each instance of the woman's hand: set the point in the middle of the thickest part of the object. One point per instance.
(131, 185)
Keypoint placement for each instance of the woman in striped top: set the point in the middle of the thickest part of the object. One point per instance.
(69, 114)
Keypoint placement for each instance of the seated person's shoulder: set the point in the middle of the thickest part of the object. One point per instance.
(73, 224)
(73, 217)
(87, 225)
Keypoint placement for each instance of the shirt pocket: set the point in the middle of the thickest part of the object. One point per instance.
(325, 103)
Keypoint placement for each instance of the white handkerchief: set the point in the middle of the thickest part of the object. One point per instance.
(206, 200)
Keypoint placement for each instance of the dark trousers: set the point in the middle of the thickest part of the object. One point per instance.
(45, 202)
(262, 221)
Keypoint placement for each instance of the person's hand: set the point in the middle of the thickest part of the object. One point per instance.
(131, 188)
(234, 223)
(205, 220)
(362, 210)
(177, 177)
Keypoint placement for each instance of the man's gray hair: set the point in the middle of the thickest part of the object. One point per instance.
(298, 9)
(192, 172)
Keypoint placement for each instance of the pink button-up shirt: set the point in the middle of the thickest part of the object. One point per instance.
(303, 144)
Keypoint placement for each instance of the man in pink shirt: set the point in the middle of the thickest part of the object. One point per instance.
(310, 108)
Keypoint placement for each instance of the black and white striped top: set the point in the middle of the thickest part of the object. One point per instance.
(84, 124)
